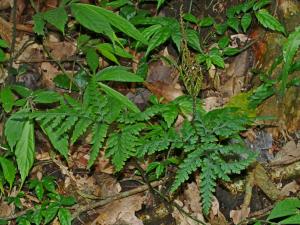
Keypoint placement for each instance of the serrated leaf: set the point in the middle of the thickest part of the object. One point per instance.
(7, 99)
(39, 24)
(92, 59)
(224, 42)
(246, 21)
(39, 190)
(193, 39)
(170, 115)
(9, 170)
(248, 5)
(58, 17)
(217, 61)
(221, 28)
(206, 22)
(50, 212)
(234, 24)
(64, 216)
(80, 128)
(117, 73)
(99, 133)
(268, 21)
(13, 130)
(261, 3)
(190, 17)
(21, 90)
(158, 38)
(25, 150)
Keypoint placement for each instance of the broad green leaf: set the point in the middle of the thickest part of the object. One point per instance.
(63, 81)
(119, 97)
(9, 170)
(46, 97)
(92, 59)
(260, 4)
(231, 51)
(39, 190)
(287, 207)
(248, 5)
(159, 38)
(64, 216)
(292, 220)
(190, 17)
(25, 150)
(234, 23)
(246, 21)
(39, 24)
(58, 17)
(117, 4)
(50, 213)
(117, 73)
(193, 39)
(97, 13)
(268, 21)
(206, 22)
(3, 44)
(13, 129)
(21, 90)
(221, 28)
(67, 200)
(176, 37)
(90, 17)
(7, 99)
(289, 50)
(217, 60)
(2, 55)
(224, 42)
(115, 50)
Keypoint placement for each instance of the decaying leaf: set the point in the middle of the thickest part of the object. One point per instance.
(239, 215)
(120, 212)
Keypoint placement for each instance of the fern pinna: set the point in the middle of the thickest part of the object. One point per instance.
(212, 144)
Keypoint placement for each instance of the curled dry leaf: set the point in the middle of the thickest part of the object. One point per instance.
(292, 187)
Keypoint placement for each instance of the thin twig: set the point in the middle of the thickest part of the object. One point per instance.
(93, 205)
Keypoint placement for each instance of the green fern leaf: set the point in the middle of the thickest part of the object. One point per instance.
(66, 125)
(188, 166)
(207, 185)
(122, 145)
(99, 133)
(80, 128)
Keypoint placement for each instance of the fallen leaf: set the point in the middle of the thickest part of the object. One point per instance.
(239, 215)
(120, 212)
(292, 187)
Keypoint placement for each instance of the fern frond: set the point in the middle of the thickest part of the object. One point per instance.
(66, 125)
(188, 166)
(99, 132)
(122, 145)
(151, 146)
(207, 185)
(80, 128)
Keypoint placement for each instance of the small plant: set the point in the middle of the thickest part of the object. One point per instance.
(285, 212)
(51, 204)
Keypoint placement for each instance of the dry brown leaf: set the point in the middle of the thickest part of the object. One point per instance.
(239, 215)
(292, 187)
(5, 30)
(120, 212)
(162, 90)
(191, 204)
(48, 73)
(5, 209)
(61, 50)
(289, 151)
(108, 184)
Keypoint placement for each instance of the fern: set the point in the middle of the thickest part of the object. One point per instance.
(73, 118)
(122, 145)
(213, 146)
